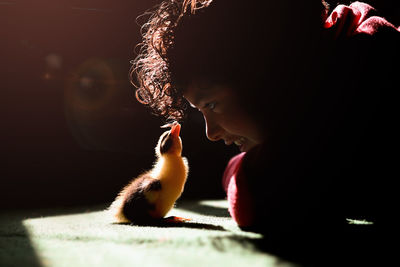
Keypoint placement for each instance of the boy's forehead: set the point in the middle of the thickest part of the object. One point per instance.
(195, 94)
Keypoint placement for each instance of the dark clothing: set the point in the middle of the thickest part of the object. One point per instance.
(338, 161)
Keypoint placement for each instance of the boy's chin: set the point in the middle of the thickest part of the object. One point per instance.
(246, 147)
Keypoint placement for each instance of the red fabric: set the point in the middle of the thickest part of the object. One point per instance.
(239, 197)
(354, 19)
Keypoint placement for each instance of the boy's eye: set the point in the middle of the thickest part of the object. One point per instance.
(210, 105)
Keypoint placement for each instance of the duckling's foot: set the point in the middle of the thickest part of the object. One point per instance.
(175, 219)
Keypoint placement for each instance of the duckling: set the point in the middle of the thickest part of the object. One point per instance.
(150, 196)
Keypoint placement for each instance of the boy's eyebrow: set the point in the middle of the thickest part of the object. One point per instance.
(197, 99)
(200, 95)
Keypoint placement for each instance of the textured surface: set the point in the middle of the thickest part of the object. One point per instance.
(85, 237)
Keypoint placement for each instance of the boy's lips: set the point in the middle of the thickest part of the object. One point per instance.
(240, 142)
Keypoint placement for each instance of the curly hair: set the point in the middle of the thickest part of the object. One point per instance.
(229, 42)
(150, 72)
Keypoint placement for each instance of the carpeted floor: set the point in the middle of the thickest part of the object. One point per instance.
(85, 237)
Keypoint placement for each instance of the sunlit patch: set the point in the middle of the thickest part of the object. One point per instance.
(359, 222)
(215, 203)
(85, 237)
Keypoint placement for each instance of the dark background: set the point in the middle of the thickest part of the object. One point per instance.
(71, 131)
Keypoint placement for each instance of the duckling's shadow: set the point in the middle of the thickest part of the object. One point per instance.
(203, 209)
(168, 223)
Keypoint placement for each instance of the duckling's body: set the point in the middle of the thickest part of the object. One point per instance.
(150, 196)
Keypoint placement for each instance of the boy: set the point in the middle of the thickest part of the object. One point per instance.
(304, 92)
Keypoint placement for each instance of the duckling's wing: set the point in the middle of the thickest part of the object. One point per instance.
(139, 199)
(151, 189)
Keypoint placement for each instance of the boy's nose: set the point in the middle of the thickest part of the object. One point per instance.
(213, 130)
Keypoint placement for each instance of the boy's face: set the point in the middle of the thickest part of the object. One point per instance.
(224, 116)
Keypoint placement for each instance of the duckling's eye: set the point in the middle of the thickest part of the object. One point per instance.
(166, 143)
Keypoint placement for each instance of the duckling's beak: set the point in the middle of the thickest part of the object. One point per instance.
(175, 129)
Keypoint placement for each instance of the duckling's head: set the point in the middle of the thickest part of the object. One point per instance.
(170, 143)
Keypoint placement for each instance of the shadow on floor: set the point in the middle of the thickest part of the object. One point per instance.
(349, 245)
(16, 248)
(165, 223)
(198, 207)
